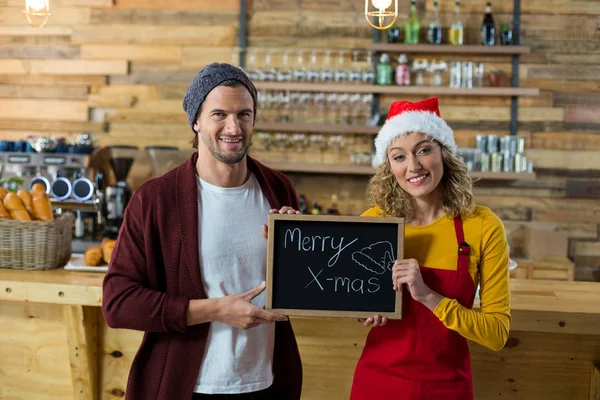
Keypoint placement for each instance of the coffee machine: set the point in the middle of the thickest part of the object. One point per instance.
(116, 197)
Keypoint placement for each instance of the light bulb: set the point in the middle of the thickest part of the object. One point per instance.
(37, 12)
(381, 4)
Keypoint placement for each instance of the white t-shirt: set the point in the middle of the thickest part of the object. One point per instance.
(233, 256)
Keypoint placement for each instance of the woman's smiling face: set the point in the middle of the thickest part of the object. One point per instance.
(416, 162)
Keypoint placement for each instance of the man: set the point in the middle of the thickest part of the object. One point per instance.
(189, 263)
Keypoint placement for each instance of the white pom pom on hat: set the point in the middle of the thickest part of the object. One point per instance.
(407, 117)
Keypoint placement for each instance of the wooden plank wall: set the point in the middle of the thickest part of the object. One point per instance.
(120, 68)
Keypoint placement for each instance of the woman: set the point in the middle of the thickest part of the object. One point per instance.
(451, 245)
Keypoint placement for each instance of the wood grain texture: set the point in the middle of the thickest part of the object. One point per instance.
(44, 92)
(162, 16)
(56, 110)
(81, 324)
(39, 52)
(61, 16)
(130, 52)
(223, 5)
(64, 67)
(219, 35)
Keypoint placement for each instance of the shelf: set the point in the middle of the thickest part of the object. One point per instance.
(349, 169)
(435, 90)
(448, 49)
(316, 128)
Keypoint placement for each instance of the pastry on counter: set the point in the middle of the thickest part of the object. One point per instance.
(107, 247)
(93, 256)
(15, 207)
(3, 193)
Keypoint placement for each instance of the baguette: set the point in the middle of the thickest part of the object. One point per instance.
(37, 188)
(15, 207)
(27, 200)
(3, 213)
(42, 208)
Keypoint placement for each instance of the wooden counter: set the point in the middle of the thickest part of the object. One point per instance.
(55, 345)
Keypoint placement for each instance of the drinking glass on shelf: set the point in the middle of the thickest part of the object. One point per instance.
(316, 141)
(368, 74)
(269, 72)
(341, 74)
(478, 73)
(355, 75)
(265, 140)
(455, 74)
(319, 103)
(284, 74)
(299, 141)
(281, 141)
(355, 109)
(343, 106)
(335, 142)
(326, 73)
(253, 72)
(419, 66)
(332, 105)
(299, 73)
(436, 67)
(467, 74)
(313, 73)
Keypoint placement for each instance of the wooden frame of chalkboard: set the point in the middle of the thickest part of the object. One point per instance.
(333, 266)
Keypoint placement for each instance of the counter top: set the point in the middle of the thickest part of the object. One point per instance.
(85, 288)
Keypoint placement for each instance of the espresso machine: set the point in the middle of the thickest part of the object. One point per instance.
(116, 197)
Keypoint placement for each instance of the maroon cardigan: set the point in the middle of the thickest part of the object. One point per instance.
(155, 271)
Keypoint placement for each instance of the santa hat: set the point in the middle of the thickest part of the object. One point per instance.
(406, 117)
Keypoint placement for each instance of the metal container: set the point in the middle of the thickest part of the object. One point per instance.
(520, 162)
(520, 145)
(481, 143)
(467, 74)
(493, 144)
(496, 162)
(508, 162)
(484, 162)
(508, 144)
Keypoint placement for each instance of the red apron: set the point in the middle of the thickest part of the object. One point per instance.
(417, 357)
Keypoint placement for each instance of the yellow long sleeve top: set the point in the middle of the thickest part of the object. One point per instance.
(430, 245)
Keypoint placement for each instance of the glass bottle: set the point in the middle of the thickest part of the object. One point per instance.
(434, 33)
(456, 29)
(488, 31)
(402, 71)
(411, 30)
(384, 70)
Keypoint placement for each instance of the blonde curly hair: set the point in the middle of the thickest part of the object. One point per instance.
(456, 184)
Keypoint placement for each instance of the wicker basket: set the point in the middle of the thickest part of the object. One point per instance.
(36, 245)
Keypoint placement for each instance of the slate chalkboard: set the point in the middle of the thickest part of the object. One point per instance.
(333, 266)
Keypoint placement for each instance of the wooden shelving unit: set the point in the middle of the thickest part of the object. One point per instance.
(316, 128)
(428, 90)
(349, 169)
(447, 49)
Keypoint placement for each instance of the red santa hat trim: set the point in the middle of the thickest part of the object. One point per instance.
(407, 117)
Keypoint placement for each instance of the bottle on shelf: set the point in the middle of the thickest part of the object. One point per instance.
(456, 29)
(434, 32)
(384, 70)
(488, 30)
(402, 71)
(394, 34)
(411, 30)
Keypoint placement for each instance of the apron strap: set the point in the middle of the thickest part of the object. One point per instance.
(463, 247)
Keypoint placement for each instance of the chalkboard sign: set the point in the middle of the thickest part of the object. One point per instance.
(333, 266)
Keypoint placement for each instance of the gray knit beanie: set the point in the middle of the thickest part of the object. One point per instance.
(209, 78)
